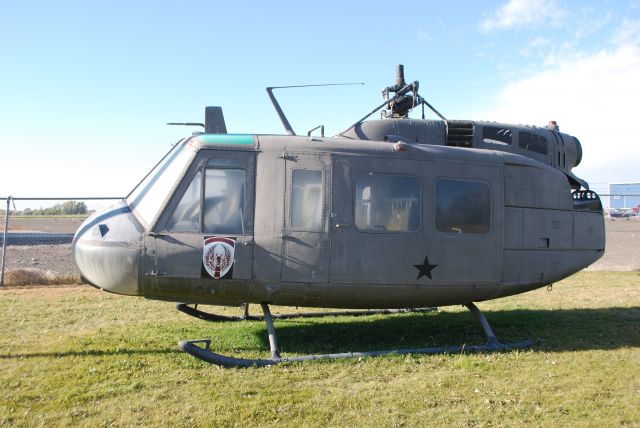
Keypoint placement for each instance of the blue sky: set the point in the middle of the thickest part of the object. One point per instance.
(86, 87)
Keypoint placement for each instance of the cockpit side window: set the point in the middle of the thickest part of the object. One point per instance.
(213, 202)
(224, 201)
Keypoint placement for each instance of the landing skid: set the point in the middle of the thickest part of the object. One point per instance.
(204, 353)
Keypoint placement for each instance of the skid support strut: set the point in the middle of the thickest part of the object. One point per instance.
(204, 353)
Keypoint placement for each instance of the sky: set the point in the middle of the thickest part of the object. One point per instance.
(86, 87)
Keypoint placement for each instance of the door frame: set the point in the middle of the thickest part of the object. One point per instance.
(305, 253)
(187, 247)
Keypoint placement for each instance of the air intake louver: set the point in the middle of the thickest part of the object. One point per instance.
(460, 133)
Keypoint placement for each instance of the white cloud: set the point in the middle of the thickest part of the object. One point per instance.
(590, 22)
(592, 96)
(423, 35)
(627, 33)
(537, 44)
(523, 13)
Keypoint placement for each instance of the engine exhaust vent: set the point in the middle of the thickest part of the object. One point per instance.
(460, 133)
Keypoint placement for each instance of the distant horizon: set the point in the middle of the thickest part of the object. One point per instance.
(602, 189)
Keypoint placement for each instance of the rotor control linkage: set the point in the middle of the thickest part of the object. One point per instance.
(204, 353)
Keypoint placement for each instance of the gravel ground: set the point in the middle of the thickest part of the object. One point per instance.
(622, 250)
(51, 258)
(46, 224)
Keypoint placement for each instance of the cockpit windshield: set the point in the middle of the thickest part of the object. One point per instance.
(148, 197)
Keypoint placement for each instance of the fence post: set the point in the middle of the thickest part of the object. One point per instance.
(4, 240)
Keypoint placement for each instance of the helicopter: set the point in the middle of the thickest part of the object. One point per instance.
(391, 214)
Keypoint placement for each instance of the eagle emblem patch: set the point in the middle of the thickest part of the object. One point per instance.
(217, 256)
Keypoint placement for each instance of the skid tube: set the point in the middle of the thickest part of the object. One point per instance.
(204, 353)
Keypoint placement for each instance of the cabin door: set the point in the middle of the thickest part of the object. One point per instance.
(466, 228)
(307, 204)
(377, 221)
(205, 235)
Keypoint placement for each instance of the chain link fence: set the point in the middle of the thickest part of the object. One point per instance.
(36, 238)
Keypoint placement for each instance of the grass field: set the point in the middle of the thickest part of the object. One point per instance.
(76, 356)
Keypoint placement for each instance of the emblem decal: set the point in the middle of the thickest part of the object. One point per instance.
(217, 256)
(425, 268)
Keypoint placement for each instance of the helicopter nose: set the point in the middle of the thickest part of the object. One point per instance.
(106, 250)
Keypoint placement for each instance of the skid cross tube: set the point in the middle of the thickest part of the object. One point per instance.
(191, 347)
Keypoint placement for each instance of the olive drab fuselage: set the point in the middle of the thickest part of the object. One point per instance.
(393, 213)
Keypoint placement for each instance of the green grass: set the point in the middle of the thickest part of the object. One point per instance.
(75, 356)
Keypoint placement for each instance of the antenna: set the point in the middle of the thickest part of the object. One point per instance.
(276, 105)
(213, 121)
(186, 123)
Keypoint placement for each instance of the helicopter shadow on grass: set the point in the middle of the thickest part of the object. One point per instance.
(551, 330)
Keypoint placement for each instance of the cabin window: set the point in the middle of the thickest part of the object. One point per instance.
(306, 200)
(533, 142)
(186, 216)
(223, 208)
(494, 135)
(387, 203)
(463, 206)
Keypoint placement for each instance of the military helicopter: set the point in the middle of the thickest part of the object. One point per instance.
(391, 214)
